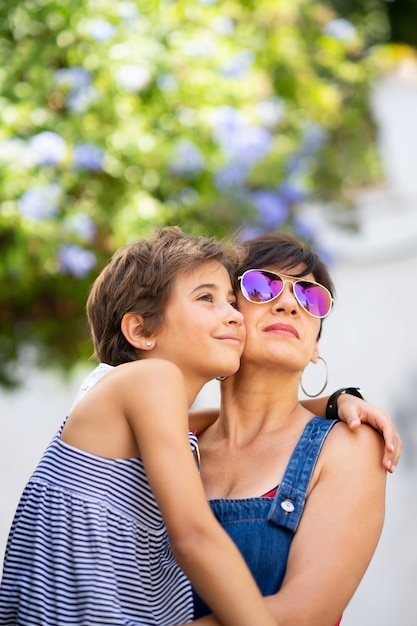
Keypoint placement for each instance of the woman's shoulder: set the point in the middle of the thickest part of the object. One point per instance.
(364, 444)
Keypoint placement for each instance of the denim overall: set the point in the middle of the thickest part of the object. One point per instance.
(263, 528)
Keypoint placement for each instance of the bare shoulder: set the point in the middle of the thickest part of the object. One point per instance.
(363, 447)
(145, 371)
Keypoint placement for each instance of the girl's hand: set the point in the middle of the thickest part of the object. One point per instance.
(355, 411)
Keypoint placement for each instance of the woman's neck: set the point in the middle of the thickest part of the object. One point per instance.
(253, 403)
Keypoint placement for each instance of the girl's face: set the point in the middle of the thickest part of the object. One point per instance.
(280, 332)
(203, 332)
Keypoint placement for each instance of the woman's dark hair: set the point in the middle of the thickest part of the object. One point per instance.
(284, 252)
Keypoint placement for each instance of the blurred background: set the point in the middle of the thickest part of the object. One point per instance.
(231, 117)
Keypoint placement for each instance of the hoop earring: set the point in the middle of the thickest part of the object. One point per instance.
(221, 378)
(314, 395)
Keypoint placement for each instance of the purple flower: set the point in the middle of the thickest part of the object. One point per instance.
(73, 78)
(87, 157)
(271, 207)
(80, 99)
(40, 203)
(167, 82)
(80, 224)
(250, 232)
(231, 176)
(249, 145)
(187, 160)
(76, 261)
(314, 137)
(341, 29)
(239, 65)
(48, 148)
(227, 121)
(100, 30)
(270, 112)
(292, 192)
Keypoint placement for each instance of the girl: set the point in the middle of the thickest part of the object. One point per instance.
(114, 518)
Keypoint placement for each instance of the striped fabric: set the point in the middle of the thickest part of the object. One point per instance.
(88, 546)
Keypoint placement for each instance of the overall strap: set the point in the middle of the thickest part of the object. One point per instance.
(288, 503)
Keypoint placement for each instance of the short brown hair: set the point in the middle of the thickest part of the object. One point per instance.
(139, 279)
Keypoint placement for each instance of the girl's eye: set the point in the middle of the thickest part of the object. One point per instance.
(207, 297)
(234, 304)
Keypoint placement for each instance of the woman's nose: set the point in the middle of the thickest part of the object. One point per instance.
(286, 300)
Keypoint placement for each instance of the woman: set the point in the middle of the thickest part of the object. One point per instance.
(308, 526)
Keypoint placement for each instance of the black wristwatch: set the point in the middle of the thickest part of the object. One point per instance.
(331, 407)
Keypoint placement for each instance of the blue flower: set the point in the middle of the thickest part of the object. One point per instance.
(80, 224)
(76, 261)
(40, 203)
(48, 148)
(292, 191)
(167, 82)
(249, 232)
(270, 112)
(100, 30)
(80, 99)
(230, 176)
(341, 29)
(73, 78)
(187, 159)
(271, 207)
(239, 65)
(87, 157)
(240, 142)
(226, 122)
(249, 145)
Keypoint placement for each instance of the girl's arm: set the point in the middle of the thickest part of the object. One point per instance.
(351, 410)
(201, 547)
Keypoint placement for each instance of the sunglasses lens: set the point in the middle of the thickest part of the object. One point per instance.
(258, 286)
(315, 299)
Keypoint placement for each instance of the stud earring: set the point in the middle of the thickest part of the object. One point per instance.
(148, 344)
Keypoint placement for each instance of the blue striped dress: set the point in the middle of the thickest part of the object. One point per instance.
(88, 546)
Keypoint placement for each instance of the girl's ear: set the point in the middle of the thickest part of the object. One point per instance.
(132, 329)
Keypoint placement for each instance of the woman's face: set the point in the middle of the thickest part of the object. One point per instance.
(280, 333)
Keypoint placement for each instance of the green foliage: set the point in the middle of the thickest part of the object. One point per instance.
(121, 116)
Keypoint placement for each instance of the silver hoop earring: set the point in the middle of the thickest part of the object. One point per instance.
(221, 378)
(148, 344)
(314, 395)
